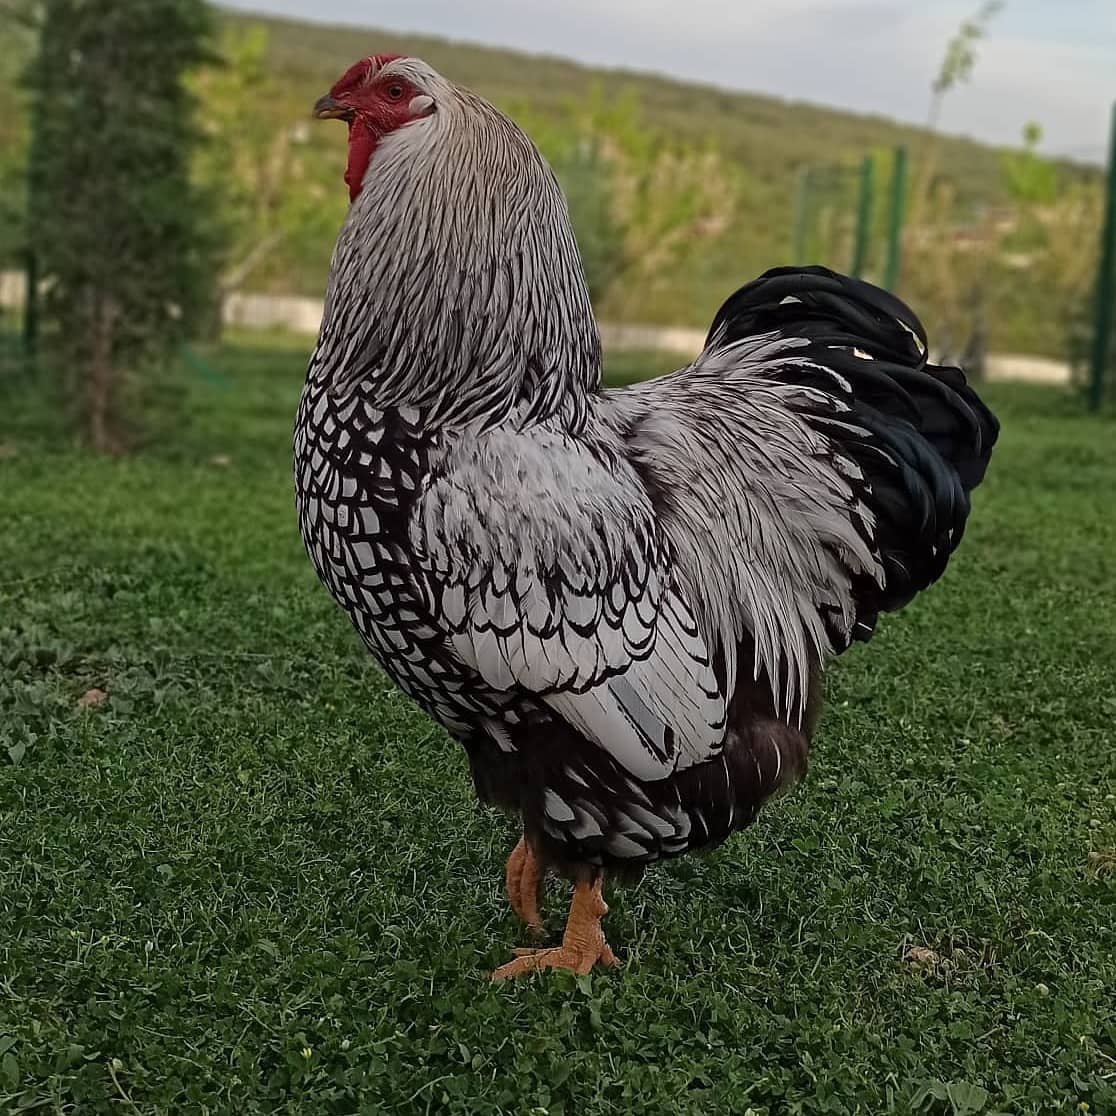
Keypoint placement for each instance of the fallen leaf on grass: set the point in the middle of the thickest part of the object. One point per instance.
(922, 955)
(91, 698)
(1102, 861)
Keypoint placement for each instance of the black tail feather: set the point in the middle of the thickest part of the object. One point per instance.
(928, 437)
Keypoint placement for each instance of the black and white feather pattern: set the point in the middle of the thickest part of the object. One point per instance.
(619, 601)
(552, 577)
(813, 467)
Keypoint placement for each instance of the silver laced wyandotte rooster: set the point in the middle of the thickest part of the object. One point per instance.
(619, 601)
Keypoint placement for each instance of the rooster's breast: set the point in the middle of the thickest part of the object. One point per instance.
(358, 470)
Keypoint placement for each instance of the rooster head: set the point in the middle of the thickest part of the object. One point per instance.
(456, 275)
(375, 97)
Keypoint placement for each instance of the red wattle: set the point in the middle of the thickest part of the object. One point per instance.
(362, 143)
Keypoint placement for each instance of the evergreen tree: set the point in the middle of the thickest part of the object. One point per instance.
(119, 232)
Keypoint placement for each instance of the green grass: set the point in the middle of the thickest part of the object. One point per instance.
(255, 880)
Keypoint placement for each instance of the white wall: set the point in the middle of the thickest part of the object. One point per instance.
(304, 315)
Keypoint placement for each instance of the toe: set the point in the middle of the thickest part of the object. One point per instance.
(525, 962)
(579, 961)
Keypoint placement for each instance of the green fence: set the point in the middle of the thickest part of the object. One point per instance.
(850, 217)
(1101, 362)
(845, 219)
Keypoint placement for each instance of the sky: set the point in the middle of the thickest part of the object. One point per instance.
(1050, 61)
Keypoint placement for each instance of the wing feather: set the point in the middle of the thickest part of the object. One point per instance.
(571, 600)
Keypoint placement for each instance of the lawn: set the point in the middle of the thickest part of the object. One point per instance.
(256, 880)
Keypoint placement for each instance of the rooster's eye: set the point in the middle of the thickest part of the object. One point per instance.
(395, 92)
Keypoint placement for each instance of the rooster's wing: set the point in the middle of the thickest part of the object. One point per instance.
(544, 563)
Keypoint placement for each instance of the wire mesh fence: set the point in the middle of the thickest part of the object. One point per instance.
(850, 216)
(1031, 270)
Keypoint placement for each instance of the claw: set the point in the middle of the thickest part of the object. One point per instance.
(583, 944)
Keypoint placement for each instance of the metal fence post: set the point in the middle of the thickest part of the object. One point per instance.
(1106, 281)
(801, 216)
(895, 219)
(863, 216)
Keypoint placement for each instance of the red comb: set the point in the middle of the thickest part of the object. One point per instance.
(358, 73)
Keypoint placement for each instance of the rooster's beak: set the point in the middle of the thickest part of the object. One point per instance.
(329, 109)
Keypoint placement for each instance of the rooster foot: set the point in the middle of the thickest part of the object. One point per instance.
(583, 944)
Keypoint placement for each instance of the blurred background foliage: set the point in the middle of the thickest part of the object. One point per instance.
(121, 233)
(679, 192)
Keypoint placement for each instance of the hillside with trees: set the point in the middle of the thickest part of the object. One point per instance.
(679, 192)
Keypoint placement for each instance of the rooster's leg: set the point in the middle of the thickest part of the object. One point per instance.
(583, 944)
(524, 876)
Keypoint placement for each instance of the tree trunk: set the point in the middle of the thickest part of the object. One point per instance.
(101, 379)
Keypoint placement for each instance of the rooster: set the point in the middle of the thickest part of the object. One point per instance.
(619, 601)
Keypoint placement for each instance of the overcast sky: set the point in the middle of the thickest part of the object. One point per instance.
(1053, 61)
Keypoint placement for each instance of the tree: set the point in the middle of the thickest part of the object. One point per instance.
(642, 206)
(947, 263)
(960, 58)
(122, 237)
(956, 69)
(18, 29)
(1050, 252)
(1035, 249)
(17, 26)
(1030, 179)
(258, 163)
